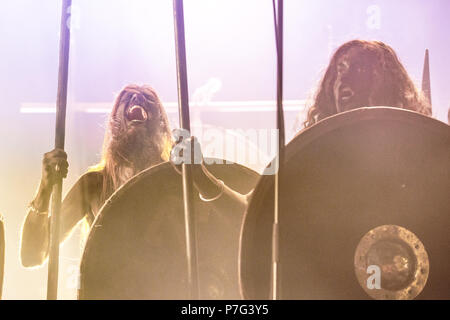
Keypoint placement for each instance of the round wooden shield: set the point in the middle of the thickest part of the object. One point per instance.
(136, 247)
(364, 211)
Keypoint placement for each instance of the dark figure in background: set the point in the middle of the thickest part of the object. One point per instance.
(138, 136)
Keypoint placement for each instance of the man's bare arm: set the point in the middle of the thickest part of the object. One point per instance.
(211, 189)
(215, 191)
(35, 230)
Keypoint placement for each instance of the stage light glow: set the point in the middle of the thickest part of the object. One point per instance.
(172, 107)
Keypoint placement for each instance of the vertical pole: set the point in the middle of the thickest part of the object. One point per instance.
(61, 101)
(426, 82)
(275, 270)
(183, 105)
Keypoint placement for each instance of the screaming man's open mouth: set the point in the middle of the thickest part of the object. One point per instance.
(136, 114)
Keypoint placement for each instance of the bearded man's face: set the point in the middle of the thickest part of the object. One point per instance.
(136, 133)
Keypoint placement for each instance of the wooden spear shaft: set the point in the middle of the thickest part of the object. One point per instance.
(60, 128)
(426, 82)
(276, 263)
(183, 103)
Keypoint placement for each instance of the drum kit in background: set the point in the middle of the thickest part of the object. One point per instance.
(364, 190)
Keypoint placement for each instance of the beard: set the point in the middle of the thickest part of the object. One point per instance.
(132, 151)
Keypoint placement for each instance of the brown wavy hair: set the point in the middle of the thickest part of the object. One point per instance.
(138, 150)
(397, 87)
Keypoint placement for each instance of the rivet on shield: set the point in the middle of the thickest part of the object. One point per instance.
(391, 263)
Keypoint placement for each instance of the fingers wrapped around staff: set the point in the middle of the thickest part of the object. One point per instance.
(186, 149)
(55, 164)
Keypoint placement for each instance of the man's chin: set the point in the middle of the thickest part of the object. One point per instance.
(137, 128)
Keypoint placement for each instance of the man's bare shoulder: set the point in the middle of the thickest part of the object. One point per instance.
(89, 184)
(85, 195)
(90, 179)
(92, 176)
